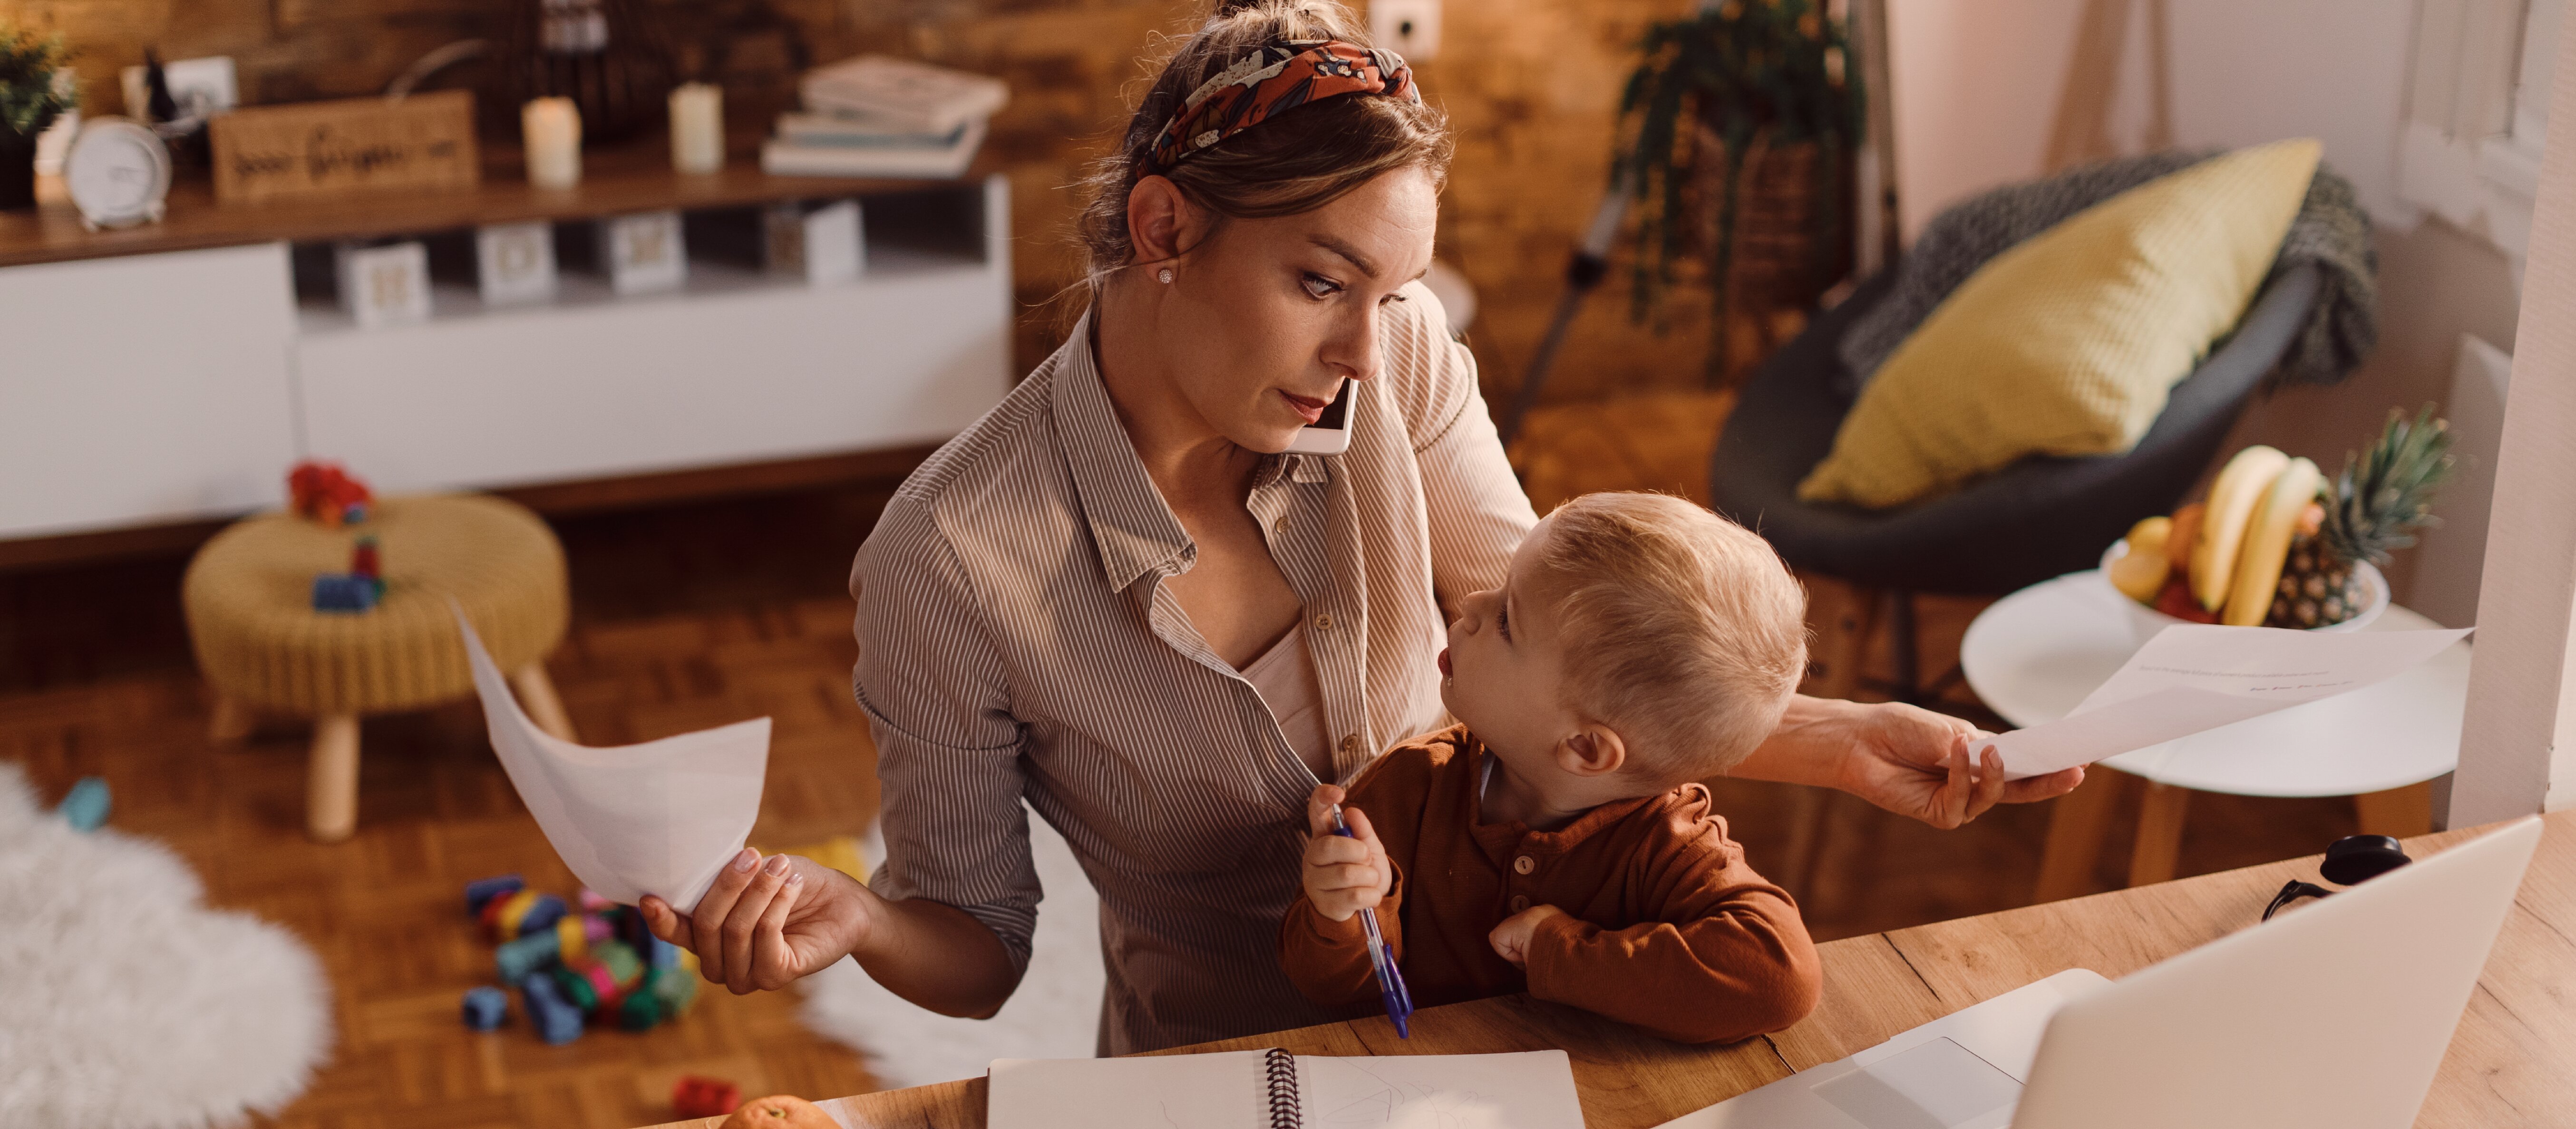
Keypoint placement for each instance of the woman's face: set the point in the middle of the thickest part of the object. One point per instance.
(1264, 318)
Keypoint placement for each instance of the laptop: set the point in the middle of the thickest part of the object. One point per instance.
(2333, 1015)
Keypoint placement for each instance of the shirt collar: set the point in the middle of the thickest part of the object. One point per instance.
(1502, 840)
(1132, 527)
(1134, 530)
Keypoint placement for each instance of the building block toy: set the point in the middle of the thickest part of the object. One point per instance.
(327, 494)
(542, 915)
(704, 1097)
(342, 592)
(482, 890)
(485, 1007)
(517, 959)
(556, 1020)
(620, 961)
(85, 806)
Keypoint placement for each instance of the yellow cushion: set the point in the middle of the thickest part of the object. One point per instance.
(2068, 343)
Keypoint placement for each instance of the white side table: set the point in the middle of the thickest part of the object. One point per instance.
(2036, 653)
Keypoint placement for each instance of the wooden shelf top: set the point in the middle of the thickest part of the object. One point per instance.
(613, 183)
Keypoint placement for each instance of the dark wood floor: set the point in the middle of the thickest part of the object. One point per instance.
(686, 617)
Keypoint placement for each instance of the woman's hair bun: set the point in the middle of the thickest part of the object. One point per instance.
(1301, 161)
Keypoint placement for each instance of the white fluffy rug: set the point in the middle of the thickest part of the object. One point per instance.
(1055, 1014)
(129, 1004)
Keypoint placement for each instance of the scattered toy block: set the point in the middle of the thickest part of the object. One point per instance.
(485, 1007)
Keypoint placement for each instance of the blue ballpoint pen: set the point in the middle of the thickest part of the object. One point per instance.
(1390, 983)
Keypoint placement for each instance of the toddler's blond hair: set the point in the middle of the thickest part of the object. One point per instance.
(1684, 631)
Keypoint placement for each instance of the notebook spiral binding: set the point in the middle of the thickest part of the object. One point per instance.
(1284, 1111)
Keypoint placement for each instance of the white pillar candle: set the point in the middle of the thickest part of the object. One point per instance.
(552, 128)
(697, 127)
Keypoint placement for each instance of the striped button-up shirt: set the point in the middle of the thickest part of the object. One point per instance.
(1018, 644)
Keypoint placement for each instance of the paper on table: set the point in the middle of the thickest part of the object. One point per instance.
(657, 818)
(1227, 1089)
(2196, 677)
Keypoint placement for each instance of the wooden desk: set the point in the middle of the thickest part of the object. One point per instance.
(2509, 1063)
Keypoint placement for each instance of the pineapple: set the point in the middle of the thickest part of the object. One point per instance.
(2370, 510)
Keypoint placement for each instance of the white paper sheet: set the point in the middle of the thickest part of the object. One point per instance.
(658, 818)
(1229, 1090)
(2196, 677)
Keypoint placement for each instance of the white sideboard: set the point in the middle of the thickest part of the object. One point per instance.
(180, 385)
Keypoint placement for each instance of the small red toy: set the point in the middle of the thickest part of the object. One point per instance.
(704, 1097)
(327, 494)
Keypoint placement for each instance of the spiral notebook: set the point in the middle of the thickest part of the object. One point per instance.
(1274, 1089)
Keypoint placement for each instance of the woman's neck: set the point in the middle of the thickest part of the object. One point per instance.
(1183, 456)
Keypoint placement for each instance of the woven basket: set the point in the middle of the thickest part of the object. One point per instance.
(1793, 241)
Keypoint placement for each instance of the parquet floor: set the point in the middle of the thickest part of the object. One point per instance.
(686, 617)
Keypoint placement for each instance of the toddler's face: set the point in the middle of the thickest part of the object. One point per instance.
(1502, 672)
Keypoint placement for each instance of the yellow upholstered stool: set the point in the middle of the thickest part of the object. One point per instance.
(264, 648)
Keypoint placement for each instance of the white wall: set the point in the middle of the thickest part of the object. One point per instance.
(1976, 85)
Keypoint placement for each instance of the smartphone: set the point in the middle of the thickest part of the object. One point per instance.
(1330, 435)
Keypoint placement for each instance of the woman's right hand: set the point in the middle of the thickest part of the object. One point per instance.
(764, 925)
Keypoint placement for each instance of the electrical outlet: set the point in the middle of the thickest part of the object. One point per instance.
(1410, 28)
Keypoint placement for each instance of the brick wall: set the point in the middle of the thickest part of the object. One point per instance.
(1529, 86)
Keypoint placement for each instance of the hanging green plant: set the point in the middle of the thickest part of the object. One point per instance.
(28, 99)
(1745, 74)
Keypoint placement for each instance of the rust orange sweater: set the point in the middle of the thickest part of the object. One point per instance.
(1666, 926)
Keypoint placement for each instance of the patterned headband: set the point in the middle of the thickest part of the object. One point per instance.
(1274, 80)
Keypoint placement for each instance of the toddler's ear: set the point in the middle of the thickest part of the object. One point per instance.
(1593, 750)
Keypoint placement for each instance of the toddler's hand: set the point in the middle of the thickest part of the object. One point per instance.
(1511, 938)
(1343, 876)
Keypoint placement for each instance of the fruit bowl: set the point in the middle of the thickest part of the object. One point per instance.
(2146, 621)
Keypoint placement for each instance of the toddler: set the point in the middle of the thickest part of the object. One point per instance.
(1552, 841)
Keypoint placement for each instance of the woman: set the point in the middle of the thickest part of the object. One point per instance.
(1116, 599)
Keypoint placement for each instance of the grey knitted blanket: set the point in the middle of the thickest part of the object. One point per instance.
(2331, 231)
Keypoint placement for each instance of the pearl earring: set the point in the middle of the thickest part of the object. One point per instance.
(1163, 275)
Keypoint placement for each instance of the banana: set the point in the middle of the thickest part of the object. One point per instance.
(2267, 542)
(2222, 526)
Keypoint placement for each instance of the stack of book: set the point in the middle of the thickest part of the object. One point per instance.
(881, 116)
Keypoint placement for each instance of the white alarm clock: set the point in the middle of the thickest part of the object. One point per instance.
(117, 173)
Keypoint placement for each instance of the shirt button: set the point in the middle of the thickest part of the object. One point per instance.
(1524, 865)
(1350, 742)
(1280, 526)
(1324, 622)
(1519, 903)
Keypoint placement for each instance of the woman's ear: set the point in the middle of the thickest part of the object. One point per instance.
(1161, 223)
(1593, 750)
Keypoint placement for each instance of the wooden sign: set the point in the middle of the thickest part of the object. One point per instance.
(423, 142)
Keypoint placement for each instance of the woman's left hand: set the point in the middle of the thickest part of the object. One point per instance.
(1915, 762)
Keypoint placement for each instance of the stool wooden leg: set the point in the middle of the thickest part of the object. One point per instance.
(2401, 812)
(2076, 827)
(2159, 833)
(331, 786)
(233, 722)
(537, 696)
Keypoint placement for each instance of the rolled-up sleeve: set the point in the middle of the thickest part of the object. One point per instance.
(948, 748)
(1473, 502)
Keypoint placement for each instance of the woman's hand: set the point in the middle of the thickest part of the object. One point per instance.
(1342, 876)
(764, 925)
(1908, 760)
(1915, 762)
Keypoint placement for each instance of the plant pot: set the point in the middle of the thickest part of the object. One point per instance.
(17, 170)
(1792, 238)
